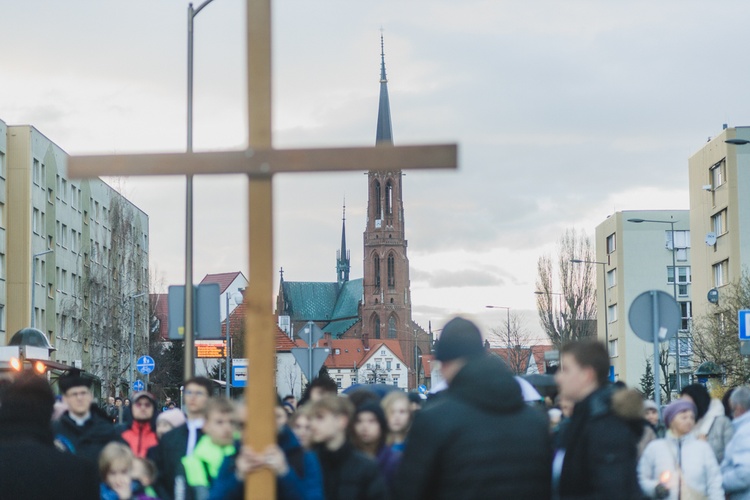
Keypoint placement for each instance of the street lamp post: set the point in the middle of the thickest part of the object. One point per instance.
(674, 290)
(131, 368)
(237, 300)
(507, 310)
(188, 332)
(34, 257)
(604, 281)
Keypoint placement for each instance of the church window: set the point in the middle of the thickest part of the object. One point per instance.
(378, 202)
(391, 272)
(392, 327)
(389, 198)
(376, 327)
(376, 266)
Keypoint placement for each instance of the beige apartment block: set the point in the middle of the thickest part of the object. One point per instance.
(637, 257)
(86, 247)
(720, 214)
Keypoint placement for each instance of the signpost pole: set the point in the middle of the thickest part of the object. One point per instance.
(655, 318)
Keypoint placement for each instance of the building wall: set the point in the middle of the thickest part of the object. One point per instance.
(640, 262)
(708, 199)
(83, 288)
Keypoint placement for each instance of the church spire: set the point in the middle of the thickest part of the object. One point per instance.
(384, 133)
(342, 256)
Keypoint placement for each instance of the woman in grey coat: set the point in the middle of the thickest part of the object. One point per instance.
(711, 423)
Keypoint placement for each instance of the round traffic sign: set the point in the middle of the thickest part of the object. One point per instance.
(145, 364)
(138, 385)
(655, 310)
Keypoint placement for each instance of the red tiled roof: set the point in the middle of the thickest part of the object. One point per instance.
(222, 279)
(237, 327)
(537, 351)
(392, 344)
(283, 342)
(351, 351)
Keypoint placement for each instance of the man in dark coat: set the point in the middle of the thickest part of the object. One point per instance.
(181, 440)
(479, 440)
(598, 448)
(30, 465)
(84, 429)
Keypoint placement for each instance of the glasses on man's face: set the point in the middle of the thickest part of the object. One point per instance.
(76, 394)
(196, 393)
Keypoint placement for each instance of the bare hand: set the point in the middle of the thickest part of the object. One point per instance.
(276, 460)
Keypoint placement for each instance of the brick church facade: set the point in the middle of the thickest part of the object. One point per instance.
(378, 306)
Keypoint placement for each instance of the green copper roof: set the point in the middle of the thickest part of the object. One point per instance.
(347, 305)
(310, 301)
(339, 327)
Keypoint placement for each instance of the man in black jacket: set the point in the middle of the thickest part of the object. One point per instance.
(84, 429)
(479, 439)
(597, 456)
(348, 474)
(30, 466)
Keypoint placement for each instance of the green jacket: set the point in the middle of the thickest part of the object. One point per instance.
(202, 467)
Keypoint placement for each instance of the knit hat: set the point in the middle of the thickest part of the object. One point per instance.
(173, 417)
(27, 400)
(676, 407)
(460, 339)
(650, 404)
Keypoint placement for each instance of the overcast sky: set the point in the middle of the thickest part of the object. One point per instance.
(564, 112)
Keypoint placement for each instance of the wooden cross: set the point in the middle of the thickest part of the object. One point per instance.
(260, 161)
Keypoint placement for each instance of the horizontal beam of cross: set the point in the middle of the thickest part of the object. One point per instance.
(265, 163)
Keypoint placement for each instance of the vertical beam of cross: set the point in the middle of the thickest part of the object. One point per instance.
(260, 349)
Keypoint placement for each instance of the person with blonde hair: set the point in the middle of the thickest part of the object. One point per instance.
(116, 472)
(398, 415)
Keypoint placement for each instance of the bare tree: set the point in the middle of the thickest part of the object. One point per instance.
(570, 314)
(715, 336)
(514, 339)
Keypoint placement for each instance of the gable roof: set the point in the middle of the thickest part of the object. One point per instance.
(392, 344)
(222, 279)
(320, 301)
(531, 358)
(160, 320)
(351, 352)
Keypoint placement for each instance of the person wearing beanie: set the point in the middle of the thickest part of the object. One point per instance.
(679, 465)
(478, 439)
(168, 420)
(84, 429)
(30, 465)
(369, 431)
(140, 435)
(711, 423)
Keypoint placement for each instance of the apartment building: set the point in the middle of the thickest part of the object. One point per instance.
(76, 260)
(635, 257)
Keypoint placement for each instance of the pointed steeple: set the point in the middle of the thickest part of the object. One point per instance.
(384, 133)
(342, 256)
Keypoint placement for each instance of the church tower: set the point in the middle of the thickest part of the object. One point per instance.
(342, 256)
(386, 309)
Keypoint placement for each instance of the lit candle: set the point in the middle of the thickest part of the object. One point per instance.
(664, 477)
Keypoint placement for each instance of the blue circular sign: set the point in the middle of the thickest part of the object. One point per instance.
(145, 365)
(138, 385)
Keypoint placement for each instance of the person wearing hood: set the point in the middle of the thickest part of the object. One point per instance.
(140, 435)
(479, 439)
(369, 431)
(597, 455)
(84, 429)
(711, 422)
(679, 465)
(30, 466)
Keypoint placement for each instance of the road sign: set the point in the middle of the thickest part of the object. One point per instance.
(743, 324)
(655, 310)
(303, 355)
(239, 376)
(138, 385)
(311, 333)
(422, 389)
(206, 316)
(145, 364)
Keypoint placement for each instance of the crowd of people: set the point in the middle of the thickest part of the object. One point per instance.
(478, 439)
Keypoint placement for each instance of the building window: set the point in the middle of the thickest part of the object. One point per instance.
(613, 348)
(718, 174)
(392, 327)
(376, 265)
(686, 309)
(684, 278)
(681, 239)
(721, 273)
(389, 198)
(391, 271)
(719, 223)
(611, 278)
(612, 313)
(388, 365)
(398, 366)
(378, 202)
(36, 221)
(37, 168)
(376, 327)
(611, 243)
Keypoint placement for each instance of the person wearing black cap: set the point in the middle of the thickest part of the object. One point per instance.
(84, 429)
(479, 440)
(30, 465)
(140, 434)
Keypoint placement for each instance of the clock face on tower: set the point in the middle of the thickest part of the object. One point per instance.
(378, 222)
